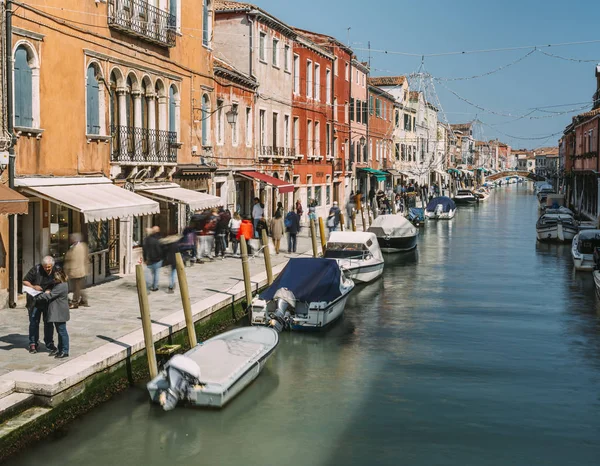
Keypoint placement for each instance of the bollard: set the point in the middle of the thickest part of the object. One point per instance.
(267, 256)
(146, 322)
(394, 209)
(323, 236)
(313, 235)
(370, 214)
(364, 222)
(353, 219)
(246, 270)
(342, 222)
(185, 300)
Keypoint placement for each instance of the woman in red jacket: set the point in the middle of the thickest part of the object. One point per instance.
(247, 231)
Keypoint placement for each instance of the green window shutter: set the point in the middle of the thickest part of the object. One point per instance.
(205, 20)
(23, 90)
(351, 109)
(93, 109)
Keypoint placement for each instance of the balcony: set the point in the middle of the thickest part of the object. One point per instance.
(136, 146)
(140, 19)
(277, 152)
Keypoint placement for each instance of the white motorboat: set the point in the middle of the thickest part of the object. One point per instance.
(440, 208)
(583, 247)
(358, 253)
(394, 233)
(308, 294)
(544, 192)
(482, 194)
(556, 227)
(465, 197)
(214, 372)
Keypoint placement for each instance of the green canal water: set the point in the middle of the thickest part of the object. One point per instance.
(482, 349)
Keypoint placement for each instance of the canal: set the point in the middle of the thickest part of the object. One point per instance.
(483, 349)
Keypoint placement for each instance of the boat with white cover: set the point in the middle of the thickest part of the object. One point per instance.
(465, 197)
(556, 227)
(440, 208)
(394, 233)
(308, 294)
(356, 252)
(214, 372)
(582, 249)
(482, 194)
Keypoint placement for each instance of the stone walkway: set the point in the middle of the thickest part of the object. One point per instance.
(114, 310)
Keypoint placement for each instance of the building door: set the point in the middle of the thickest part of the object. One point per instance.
(114, 252)
(336, 192)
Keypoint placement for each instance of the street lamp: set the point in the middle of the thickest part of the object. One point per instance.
(232, 115)
(362, 141)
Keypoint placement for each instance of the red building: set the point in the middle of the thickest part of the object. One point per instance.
(380, 134)
(312, 115)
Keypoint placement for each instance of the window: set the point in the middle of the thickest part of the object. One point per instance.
(397, 118)
(309, 138)
(296, 135)
(317, 150)
(346, 112)
(378, 108)
(234, 126)
(206, 22)
(286, 131)
(351, 109)
(407, 122)
(220, 124)
(248, 126)
(263, 129)
(335, 109)
(286, 58)
(364, 112)
(347, 75)
(370, 105)
(309, 195)
(335, 146)
(26, 87)
(205, 120)
(296, 74)
(276, 53)
(358, 111)
(262, 47)
(174, 11)
(318, 194)
(335, 66)
(317, 82)
(92, 101)
(328, 139)
(328, 193)
(357, 77)
(328, 86)
(173, 112)
(309, 79)
(275, 128)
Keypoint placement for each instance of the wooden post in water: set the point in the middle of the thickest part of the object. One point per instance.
(313, 236)
(323, 236)
(246, 270)
(343, 221)
(185, 300)
(267, 256)
(353, 220)
(370, 213)
(364, 222)
(146, 322)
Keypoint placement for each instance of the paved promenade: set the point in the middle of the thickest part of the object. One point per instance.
(114, 310)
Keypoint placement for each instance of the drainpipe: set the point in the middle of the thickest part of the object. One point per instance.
(12, 250)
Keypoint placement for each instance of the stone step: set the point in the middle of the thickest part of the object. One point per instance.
(12, 403)
(21, 419)
(6, 387)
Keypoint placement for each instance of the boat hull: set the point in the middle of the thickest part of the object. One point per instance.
(556, 233)
(397, 244)
(596, 275)
(363, 273)
(443, 216)
(465, 200)
(319, 319)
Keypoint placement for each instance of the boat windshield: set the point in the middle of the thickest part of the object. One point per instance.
(464, 193)
(587, 246)
(346, 251)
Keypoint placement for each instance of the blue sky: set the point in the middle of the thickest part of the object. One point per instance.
(435, 26)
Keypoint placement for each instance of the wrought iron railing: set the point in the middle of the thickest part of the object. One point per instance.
(139, 145)
(277, 151)
(139, 18)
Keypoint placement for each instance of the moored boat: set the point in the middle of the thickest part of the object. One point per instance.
(214, 372)
(556, 227)
(440, 208)
(416, 216)
(582, 250)
(482, 193)
(465, 197)
(394, 233)
(308, 294)
(358, 253)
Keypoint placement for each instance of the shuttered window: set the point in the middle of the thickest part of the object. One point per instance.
(93, 110)
(172, 119)
(205, 23)
(23, 89)
(205, 119)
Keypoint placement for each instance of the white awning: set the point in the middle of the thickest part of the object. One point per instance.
(441, 172)
(172, 192)
(97, 198)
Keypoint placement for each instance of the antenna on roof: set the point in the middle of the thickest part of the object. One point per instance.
(348, 30)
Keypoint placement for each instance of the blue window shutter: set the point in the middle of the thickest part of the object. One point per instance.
(23, 90)
(173, 12)
(172, 122)
(93, 109)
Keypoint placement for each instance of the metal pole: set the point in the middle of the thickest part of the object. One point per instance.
(12, 247)
(185, 300)
(267, 256)
(323, 237)
(313, 235)
(146, 322)
(246, 270)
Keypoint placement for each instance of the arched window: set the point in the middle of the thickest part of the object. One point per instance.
(205, 120)
(172, 109)
(92, 88)
(129, 104)
(23, 85)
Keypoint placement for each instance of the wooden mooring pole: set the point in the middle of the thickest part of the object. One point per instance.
(353, 220)
(313, 236)
(364, 221)
(342, 222)
(267, 256)
(246, 270)
(323, 235)
(185, 300)
(146, 322)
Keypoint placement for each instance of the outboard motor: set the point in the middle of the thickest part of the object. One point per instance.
(181, 372)
(281, 317)
(439, 210)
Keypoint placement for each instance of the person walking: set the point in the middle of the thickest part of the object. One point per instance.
(299, 209)
(277, 229)
(170, 246)
(333, 219)
(207, 236)
(187, 245)
(258, 210)
(153, 258)
(76, 268)
(234, 228)
(260, 226)
(221, 232)
(56, 300)
(40, 278)
(350, 209)
(247, 232)
(292, 226)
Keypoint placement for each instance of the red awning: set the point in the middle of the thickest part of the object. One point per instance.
(282, 186)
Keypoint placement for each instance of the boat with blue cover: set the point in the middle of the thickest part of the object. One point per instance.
(440, 208)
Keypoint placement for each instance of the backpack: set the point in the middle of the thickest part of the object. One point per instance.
(288, 221)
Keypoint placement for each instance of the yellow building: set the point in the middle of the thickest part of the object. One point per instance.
(112, 103)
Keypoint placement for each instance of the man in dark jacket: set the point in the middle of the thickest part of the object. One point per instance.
(40, 278)
(222, 232)
(292, 226)
(153, 258)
